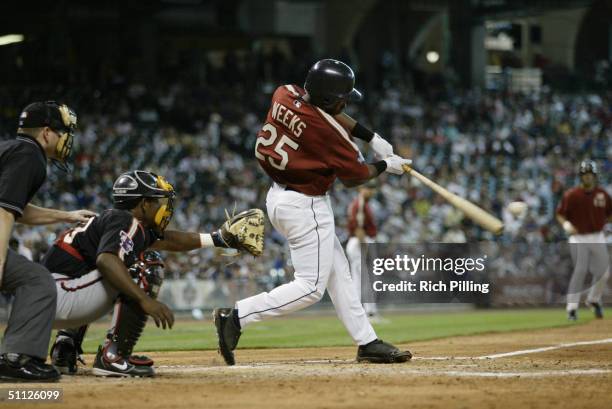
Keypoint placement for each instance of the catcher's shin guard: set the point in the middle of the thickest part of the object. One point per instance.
(67, 349)
(129, 319)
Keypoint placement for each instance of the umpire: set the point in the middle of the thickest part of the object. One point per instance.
(45, 132)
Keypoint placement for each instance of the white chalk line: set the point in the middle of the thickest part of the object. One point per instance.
(184, 369)
(545, 349)
(516, 353)
(173, 370)
(535, 374)
(493, 356)
(444, 358)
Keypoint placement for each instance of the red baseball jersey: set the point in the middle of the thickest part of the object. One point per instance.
(586, 210)
(303, 147)
(360, 215)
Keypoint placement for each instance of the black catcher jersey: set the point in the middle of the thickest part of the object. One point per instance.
(114, 231)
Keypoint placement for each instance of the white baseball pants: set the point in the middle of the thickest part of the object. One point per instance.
(82, 300)
(307, 222)
(353, 253)
(590, 254)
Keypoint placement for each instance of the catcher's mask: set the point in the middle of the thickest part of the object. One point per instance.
(131, 187)
(61, 119)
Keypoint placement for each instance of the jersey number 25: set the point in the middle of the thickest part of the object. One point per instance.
(278, 147)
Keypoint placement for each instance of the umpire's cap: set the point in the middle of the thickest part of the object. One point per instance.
(330, 81)
(61, 119)
(49, 113)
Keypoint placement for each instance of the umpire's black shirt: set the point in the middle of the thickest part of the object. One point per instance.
(23, 170)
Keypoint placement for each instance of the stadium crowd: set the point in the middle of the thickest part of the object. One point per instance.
(490, 147)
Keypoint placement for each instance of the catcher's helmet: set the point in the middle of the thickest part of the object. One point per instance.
(60, 118)
(131, 187)
(588, 166)
(330, 81)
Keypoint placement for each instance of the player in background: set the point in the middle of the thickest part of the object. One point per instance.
(90, 265)
(583, 213)
(361, 229)
(303, 148)
(45, 133)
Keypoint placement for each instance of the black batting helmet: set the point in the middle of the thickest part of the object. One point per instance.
(330, 81)
(588, 166)
(131, 187)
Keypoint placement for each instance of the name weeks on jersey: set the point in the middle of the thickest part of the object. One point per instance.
(288, 118)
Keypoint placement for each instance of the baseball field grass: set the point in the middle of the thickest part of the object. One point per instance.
(327, 331)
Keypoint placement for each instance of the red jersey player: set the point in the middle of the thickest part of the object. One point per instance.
(583, 213)
(361, 229)
(303, 148)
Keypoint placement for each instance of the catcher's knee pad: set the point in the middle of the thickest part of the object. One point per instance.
(148, 273)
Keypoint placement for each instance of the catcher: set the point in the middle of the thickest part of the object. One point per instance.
(90, 265)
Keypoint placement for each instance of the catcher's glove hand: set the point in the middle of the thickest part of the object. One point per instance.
(244, 231)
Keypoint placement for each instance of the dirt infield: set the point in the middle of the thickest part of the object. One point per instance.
(567, 367)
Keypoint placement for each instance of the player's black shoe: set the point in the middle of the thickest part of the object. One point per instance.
(113, 365)
(141, 360)
(228, 333)
(24, 368)
(380, 352)
(65, 354)
(572, 315)
(597, 309)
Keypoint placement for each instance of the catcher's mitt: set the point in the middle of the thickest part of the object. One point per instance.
(245, 231)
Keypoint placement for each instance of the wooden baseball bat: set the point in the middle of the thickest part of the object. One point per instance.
(479, 216)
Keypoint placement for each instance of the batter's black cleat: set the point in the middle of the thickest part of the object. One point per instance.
(597, 309)
(108, 364)
(380, 352)
(24, 368)
(572, 315)
(228, 333)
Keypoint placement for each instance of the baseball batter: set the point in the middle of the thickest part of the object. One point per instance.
(362, 229)
(303, 148)
(583, 213)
